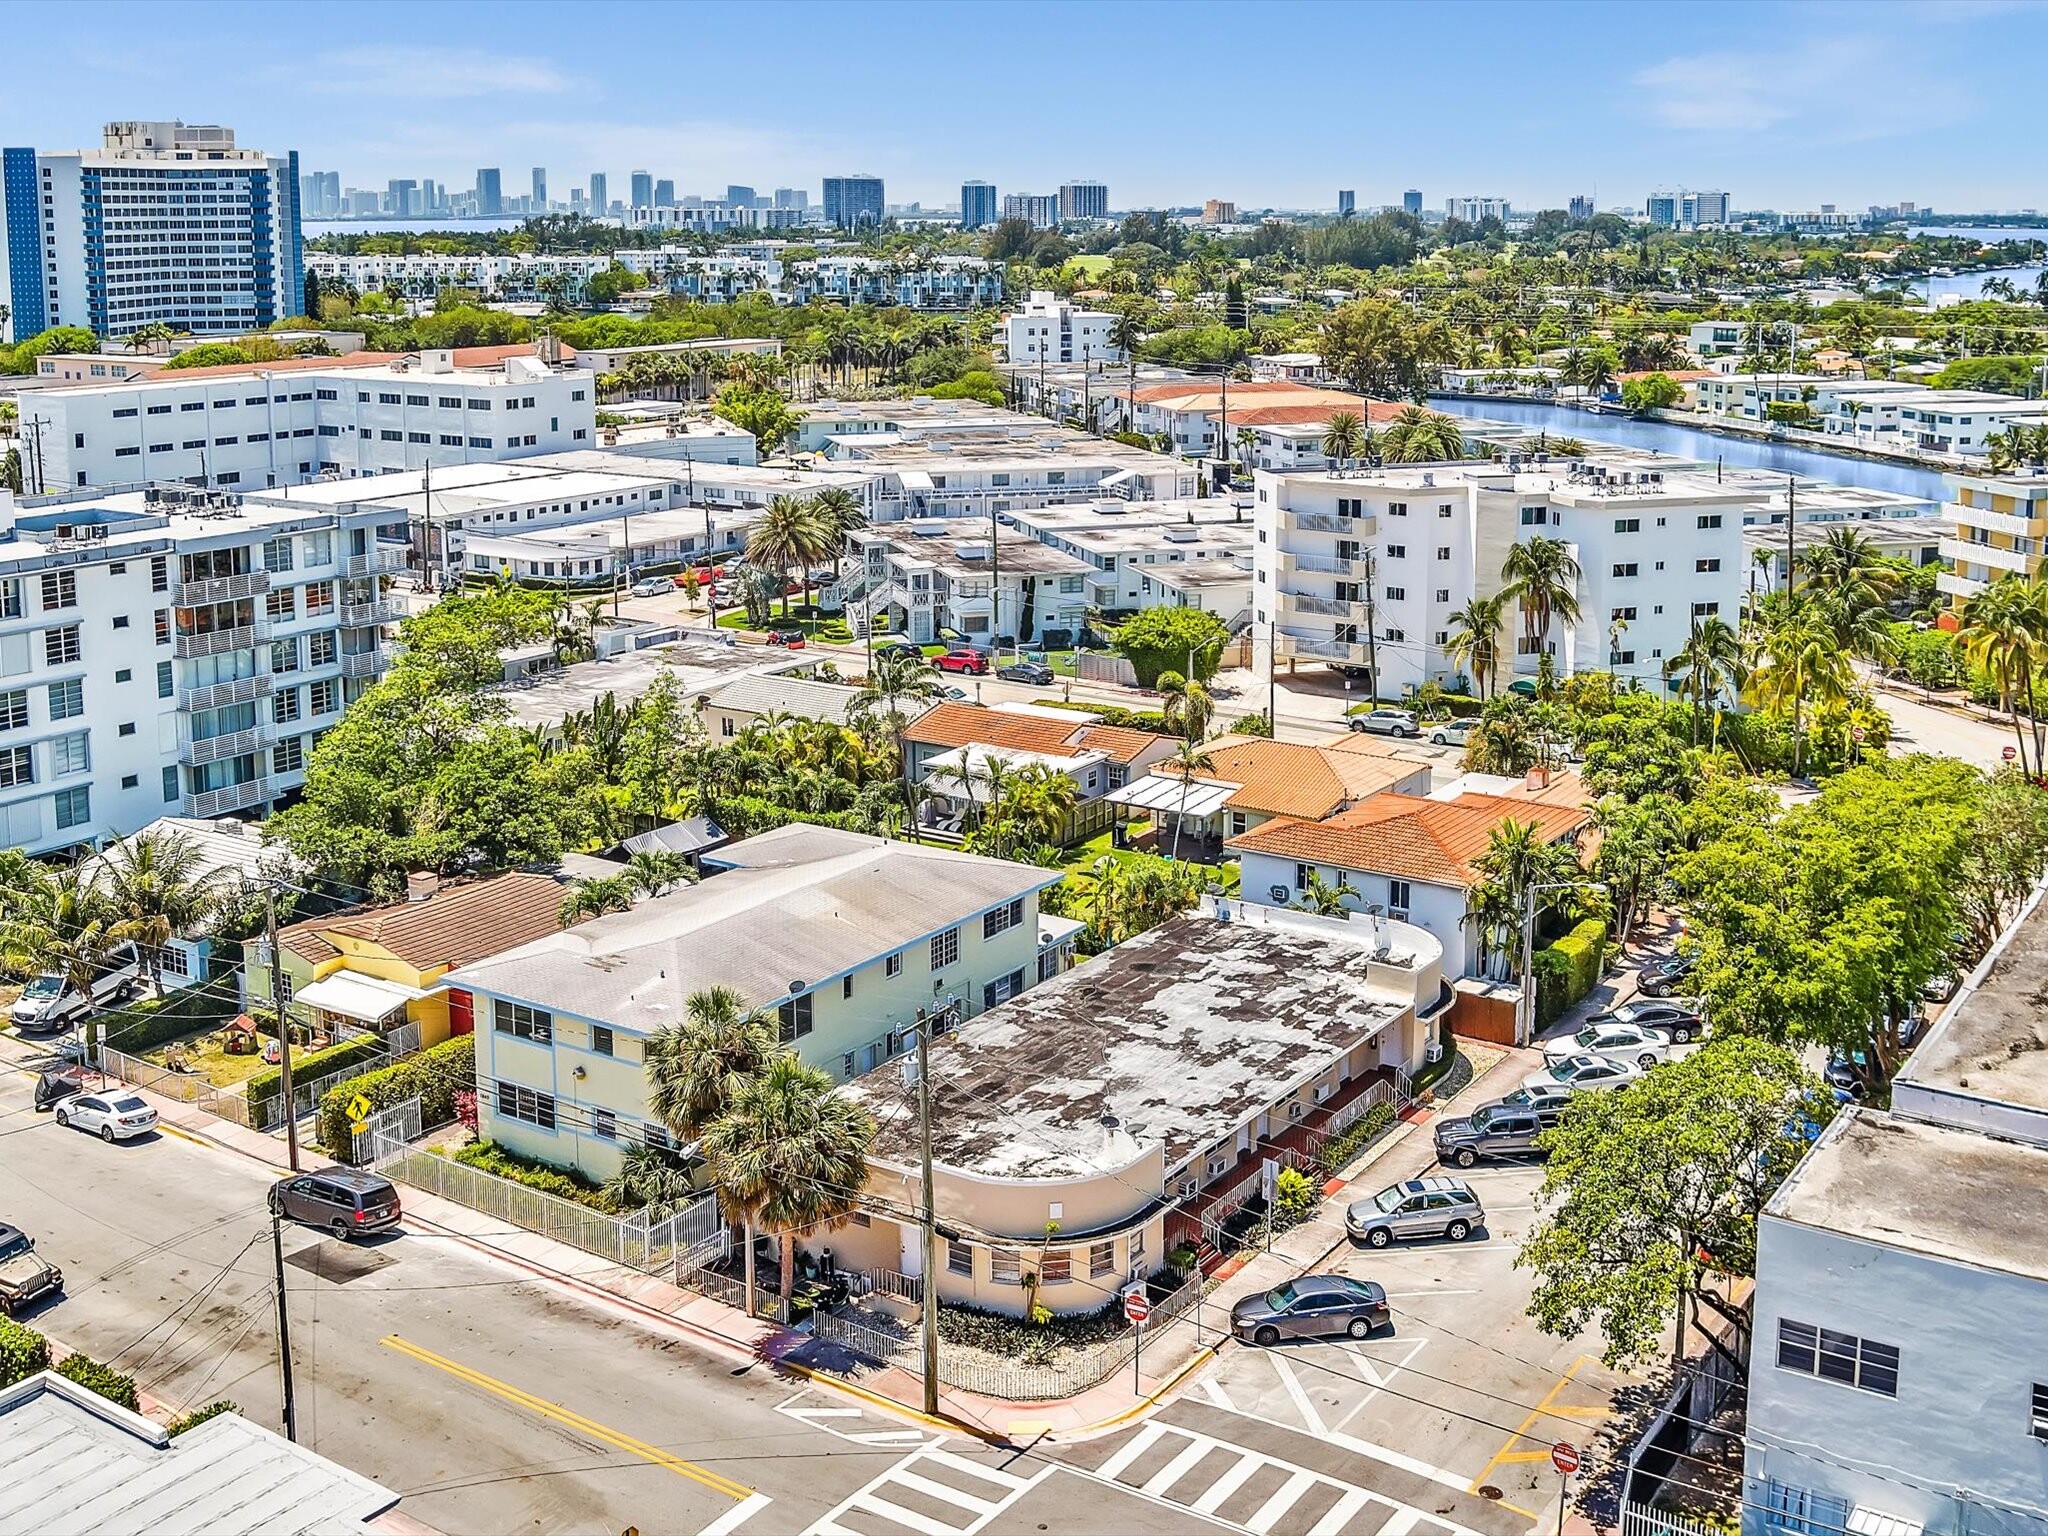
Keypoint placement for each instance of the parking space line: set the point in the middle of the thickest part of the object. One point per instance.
(1310, 1418)
(1509, 1452)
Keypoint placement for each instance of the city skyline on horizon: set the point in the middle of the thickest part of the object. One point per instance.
(1787, 110)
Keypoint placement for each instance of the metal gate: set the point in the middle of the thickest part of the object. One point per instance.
(386, 1131)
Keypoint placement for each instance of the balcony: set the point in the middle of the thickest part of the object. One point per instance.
(1994, 522)
(381, 611)
(1327, 522)
(383, 561)
(1323, 607)
(217, 641)
(366, 663)
(215, 749)
(243, 690)
(221, 589)
(1344, 652)
(1956, 585)
(1327, 565)
(236, 797)
(1963, 552)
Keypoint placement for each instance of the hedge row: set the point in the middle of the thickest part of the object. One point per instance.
(103, 1379)
(1568, 969)
(433, 1077)
(199, 1416)
(307, 1065)
(152, 1021)
(1114, 714)
(23, 1352)
(489, 1157)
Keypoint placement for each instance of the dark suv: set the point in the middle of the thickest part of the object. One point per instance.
(345, 1201)
(1493, 1130)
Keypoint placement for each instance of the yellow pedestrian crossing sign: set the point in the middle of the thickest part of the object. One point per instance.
(358, 1109)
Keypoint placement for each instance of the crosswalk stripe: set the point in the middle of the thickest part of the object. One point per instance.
(976, 1469)
(1138, 1445)
(910, 1519)
(1340, 1513)
(1270, 1512)
(1238, 1474)
(1177, 1468)
(946, 1493)
(1401, 1522)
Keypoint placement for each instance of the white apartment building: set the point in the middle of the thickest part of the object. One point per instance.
(1875, 412)
(934, 575)
(166, 222)
(1053, 330)
(1353, 567)
(1154, 554)
(1957, 421)
(418, 276)
(1897, 1379)
(175, 652)
(256, 428)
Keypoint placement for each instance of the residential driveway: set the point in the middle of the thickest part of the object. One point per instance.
(1947, 731)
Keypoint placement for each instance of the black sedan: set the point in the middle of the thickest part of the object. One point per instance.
(1661, 978)
(1312, 1307)
(1027, 672)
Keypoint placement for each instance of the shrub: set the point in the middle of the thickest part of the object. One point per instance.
(1567, 969)
(434, 1076)
(151, 1021)
(1162, 639)
(308, 1065)
(489, 1157)
(1294, 1196)
(193, 1420)
(23, 1352)
(1111, 714)
(1358, 1135)
(103, 1379)
(1020, 1338)
(1254, 724)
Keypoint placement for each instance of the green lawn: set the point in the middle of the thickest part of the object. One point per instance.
(205, 1058)
(834, 629)
(1082, 856)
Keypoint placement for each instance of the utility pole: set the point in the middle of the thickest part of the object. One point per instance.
(1372, 651)
(995, 584)
(1087, 414)
(930, 1328)
(625, 559)
(35, 425)
(1791, 548)
(284, 1327)
(1273, 675)
(284, 1039)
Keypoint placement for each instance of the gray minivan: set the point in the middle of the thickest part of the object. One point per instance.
(346, 1201)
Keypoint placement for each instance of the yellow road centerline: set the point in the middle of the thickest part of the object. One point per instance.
(547, 1410)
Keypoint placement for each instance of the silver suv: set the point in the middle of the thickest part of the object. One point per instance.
(1416, 1208)
(1386, 722)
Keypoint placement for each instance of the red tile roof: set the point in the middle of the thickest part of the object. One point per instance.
(1374, 412)
(1285, 778)
(1408, 837)
(457, 924)
(276, 365)
(961, 725)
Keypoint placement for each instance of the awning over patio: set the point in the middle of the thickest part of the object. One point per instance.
(1159, 792)
(357, 997)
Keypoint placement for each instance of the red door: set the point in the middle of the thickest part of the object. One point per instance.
(461, 1012)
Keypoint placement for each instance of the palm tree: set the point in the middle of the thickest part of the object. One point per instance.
(1420, 436)
(1851, 581)
(1323, 898)
(58, 920)
(1543, 576)
(595, 898)
(1188, 760)
(1474, 642)
(656, 871)
(1247, 444)
(650, 1179)
(1344, 438)
(1796, 660)
(1042, 799)
(156, 887)
(788, 1154)
(892, 678)
(1187, 706)
(2005, 633)
(786, 537)
(841, 511)
(1711, 661)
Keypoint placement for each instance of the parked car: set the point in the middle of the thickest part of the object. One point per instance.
(25, 1276)
(1312, 1307)
(971, 662)
(898, 648)
(1678, 1017)
(791, 639)
(1547, 1100)
(1939, 989)
(1581, 1072)
(1661, 978)
(1525, 687)
(49, 1001)
(1416, 1208)
(1499, 1129)
(955, 694)
(1453, 733)
(345, 1201)
(1028, 672)
(1630, 1042)
(114, 1117)
(653, 586)
(1386, 722)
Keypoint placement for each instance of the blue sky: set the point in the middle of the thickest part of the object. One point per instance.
(1783, 104)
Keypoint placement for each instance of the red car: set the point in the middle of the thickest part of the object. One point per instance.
(972, 662)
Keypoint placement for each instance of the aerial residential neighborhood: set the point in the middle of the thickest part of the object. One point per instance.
(1110, 808)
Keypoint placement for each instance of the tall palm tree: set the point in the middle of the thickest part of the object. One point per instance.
(656, 871)
(1796, 660)
(58, 920)
(842, 511)
(1187, 706)
(596, 898)
(1421, 436)
(1710, 662)
(1188, 760)
(1474, 642)
(1543, 576)
(156, 887)
(1042, 800)
(1851, 581)
(786, 537)
(1344, 438)
(893, 678)
(2005, 633)
(790, 1155)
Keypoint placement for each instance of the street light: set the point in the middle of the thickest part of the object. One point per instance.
(1525, 1005)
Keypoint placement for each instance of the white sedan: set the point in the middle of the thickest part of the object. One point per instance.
(1579, 1073)
(114, 1116)
(1627, 1042)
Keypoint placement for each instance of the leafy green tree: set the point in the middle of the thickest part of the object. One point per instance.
(1710, 665)
(1382, 348)
(1651, 1196)
(1632, 751)
(211, 354)
(1654, 392)
(763, 412)
(156, 887)
(1171, 640)
(2007, 856)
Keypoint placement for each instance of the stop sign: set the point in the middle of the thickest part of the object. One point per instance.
(1137, 1306)
(1565, 1457)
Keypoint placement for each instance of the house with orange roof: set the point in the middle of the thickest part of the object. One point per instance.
(1408, 856)
(954, 746)
(1247, 781)
(1192, 413)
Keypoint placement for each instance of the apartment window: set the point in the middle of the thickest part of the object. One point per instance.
(1397, 509)
(480, 442)
(17, 766)
(1443, 551)
(284, 655)
(1056, 1266)
(1803, 1512)
(1396, 594)
(163, 679)
(795, 1015)
(1533, 517)
(1101, 1259)
(320, 649)
(1624, 568)
(893, 965)
(959, 1258)
(70, 754)
(61, 647)
(846, 985)
(1702, 610)
(1710, 520)
(1002, 989)
(1002, 919)
(74, 806)
(14, 710)
(284, 705)
(281, 602)
(60, 589)
(10, 597)
(160, 573)
(1621, 615)
(323, 697)
(1302, 875)
(1400, 896)
(277, 555)
(159, 410)
(2038, 1426)
(1397, 551)
(517, 1103)
(604, 1125)
(510, 1018)
(1005, 1265)
(1628, 525)
(67, 699)
(1706, 565)
(945, 948)
(1840, 1357)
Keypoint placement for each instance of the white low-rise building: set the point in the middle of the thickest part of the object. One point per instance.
(936, 575)
(1055, 330)
(175, 652)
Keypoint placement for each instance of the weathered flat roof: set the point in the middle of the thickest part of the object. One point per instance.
(1992, 1043)
(697, 666)
(1954, 1195)
(1181, 1034)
